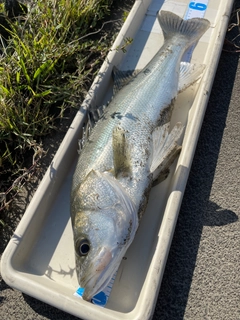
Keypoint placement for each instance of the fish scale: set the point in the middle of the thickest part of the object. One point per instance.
(138, 119)
(128, 149)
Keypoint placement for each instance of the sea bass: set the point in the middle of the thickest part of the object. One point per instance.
(127, 151)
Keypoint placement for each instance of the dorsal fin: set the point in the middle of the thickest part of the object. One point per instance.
(121, 78)
(94, 114)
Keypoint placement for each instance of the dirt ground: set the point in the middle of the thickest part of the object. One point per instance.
(202, 275)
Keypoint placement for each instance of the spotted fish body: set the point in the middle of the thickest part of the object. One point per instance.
(127, 150)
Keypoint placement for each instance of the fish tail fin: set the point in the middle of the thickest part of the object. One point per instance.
(191, 29)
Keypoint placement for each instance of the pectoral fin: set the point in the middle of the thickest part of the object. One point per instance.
(121, 153)
(165, 150)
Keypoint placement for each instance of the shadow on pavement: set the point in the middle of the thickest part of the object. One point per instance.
(197, 210)
(46, 310)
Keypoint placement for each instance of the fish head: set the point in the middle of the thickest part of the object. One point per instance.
(104, 220)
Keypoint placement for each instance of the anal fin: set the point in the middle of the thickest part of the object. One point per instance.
(165, 150)
(189, 73)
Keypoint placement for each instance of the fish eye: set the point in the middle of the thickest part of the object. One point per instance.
(82, 247)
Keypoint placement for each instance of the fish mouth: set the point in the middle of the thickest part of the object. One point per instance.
(97, 276)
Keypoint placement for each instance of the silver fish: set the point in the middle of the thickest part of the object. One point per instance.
(128, 150)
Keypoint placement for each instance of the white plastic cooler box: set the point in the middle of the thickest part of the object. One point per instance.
(39, 259)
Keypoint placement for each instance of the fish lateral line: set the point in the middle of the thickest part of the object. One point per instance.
(131, 139)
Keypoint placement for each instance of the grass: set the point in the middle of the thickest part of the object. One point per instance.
(47, 66)
(232, 44)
